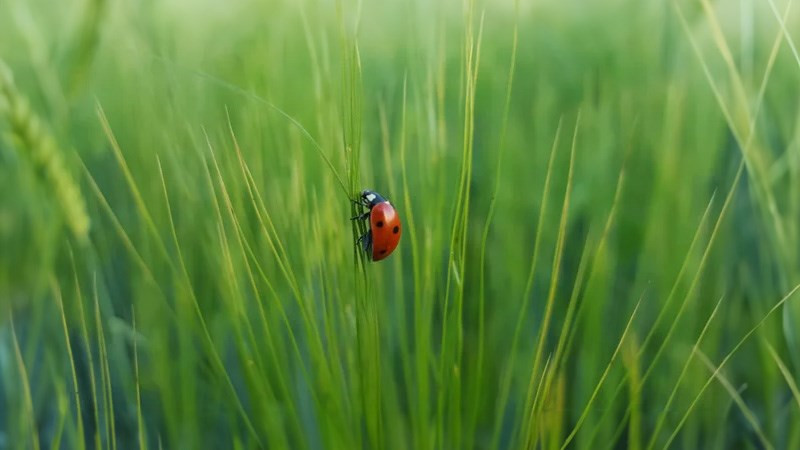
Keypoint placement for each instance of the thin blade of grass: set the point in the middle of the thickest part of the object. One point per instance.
(746, 411)
(54, 287)
(724, 361)
(105, 372)
(476, 387)
(787, 374)
(26, 388)
(600, 382)
(505, 386)
(663, 414)
(555, 272)
(743, 145)
(141, 435)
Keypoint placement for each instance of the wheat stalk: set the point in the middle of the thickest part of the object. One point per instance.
(30, 136)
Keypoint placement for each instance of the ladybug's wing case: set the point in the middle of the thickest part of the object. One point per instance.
(386, 230)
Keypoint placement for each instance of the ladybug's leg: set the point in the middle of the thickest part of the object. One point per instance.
(361, 216)
(365, 240)
(362, 204)
(368, 244)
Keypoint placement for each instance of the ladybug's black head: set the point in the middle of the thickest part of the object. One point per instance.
(371, 198)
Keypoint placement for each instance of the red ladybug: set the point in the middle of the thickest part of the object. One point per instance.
(384, 225)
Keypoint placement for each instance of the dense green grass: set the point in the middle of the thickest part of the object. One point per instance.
(600, 201)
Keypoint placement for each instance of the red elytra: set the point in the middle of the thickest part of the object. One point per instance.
(385, 226)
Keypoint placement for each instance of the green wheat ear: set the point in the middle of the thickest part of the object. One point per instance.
(28, 134)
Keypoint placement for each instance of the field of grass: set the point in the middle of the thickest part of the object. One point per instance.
(600, 202)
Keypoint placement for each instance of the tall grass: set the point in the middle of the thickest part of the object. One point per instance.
(600, 224)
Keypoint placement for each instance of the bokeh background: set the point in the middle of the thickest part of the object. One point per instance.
(600, 203)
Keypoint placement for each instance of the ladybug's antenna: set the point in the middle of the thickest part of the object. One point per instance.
(358, 201)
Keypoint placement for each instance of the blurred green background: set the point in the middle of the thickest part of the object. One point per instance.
(600, 202)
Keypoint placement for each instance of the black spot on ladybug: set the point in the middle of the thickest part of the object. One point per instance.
(396, 229)
(379, 223)
(383, 251)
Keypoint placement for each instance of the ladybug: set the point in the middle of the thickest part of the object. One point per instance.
(384, 225)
